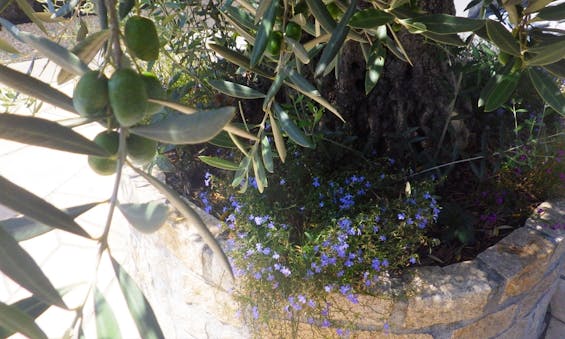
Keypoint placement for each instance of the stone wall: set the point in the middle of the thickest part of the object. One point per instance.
(504, 293)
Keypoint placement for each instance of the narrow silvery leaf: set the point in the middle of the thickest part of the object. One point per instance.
(370, 18)
(191, 217)
(30, 13)
(502, 38)
(336, 42)
(24, 228)
(230, 128)
(287, 125)
(241, 30)
(238, 59)
(241, 172)
(66, 8)
(146, 217)
(236, 90)
(547, 90)
(277, 135)
(176, 106)
(219, 163)
(106, 323)
(259, 171)
(46, 133)
(6, 46)
(241, 16)
(85, 50)
(187, 129)
(17, 264)
(449, 24)
(275, 87)
(298, 50)
(29, 85)
(139, 308)
(14, 320)
(265, 29)
(374, 66)
(321, 13)
(31, 306)
(267, 154)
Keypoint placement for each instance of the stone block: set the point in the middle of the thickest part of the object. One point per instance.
(537, 318)
(281, 329)
(370, 312)
(521, 259)
(555, 329)
(546, 287)
(445, 295)
(489, 326)
(558, 301)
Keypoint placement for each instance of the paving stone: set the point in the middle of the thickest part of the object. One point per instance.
(489, 326)
(446, 295)
(522, 259)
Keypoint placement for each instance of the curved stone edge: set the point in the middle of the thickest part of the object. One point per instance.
(505, 292)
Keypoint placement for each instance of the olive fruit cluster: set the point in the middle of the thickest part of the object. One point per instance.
(125, 94)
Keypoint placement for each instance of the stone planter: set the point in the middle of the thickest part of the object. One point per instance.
(505, 292)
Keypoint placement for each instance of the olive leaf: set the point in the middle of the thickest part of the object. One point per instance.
(187, 129)
(267, 154)
(106, 323)
(321, 13)
(370, 18)
(32, 306)
(24, 228)
(146, 217)
(46, 133)
(502, 38)
(375, 66)
(502, 90)
(290, 127)
(236, 90)
(277, 135)
(219, 163)
(19, 266)
(29, 85)
(556, 12)
(6, 46)
(14, 320)
(25, 202)
(265, 29)
(448, 24)
(259, 171)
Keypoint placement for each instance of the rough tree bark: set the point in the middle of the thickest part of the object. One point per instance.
(413, 98)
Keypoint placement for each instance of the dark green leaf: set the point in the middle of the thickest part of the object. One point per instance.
(275, 87)
(28, 204)
(502, 90)
(448, 39)
(267, 154)
(502, 38)
(241, 16)
(547, 89)
(24, 228)
(219, 163)
(17, 264)
(46, 133)
(449, 24)
(298, 50)
(536, 5)
(187, 129)
(321, 13)
(370, 18)
(13, 320)
(235, 90)
(336, 41)
(31, 86)
(222, 140)
(106, 323)
(242, 171)
(375, 66)
(552, 12)
(146, 217)
(290, 127)
(546, 53)
(191, 216)
(557, 69)
(265, 29)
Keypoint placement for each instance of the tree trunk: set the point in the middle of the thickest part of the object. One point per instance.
(409, 102)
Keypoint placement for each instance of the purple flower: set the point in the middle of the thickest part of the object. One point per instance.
(376, 264)
(401, 216)
(255, 312)
(285, 271)
(282, 182)
(302, 298)
(412, 260)
(344, 223)
(207, 178)
(316, 182)
(352, 298)
(344, 289)
(328, 288)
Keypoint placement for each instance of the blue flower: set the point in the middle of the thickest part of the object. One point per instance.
(352, 298)
(412, 260)
(282, 182)
(328, 288)
(382, 238)
(285, 271)
(344, 289)
(401, 216)
(302, 298)
(255, 312)
(207, 178)
(316, 182)
(376, 264)
(427, 196)
(344, 224)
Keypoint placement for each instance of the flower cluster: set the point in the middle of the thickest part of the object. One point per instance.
(294, 251)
